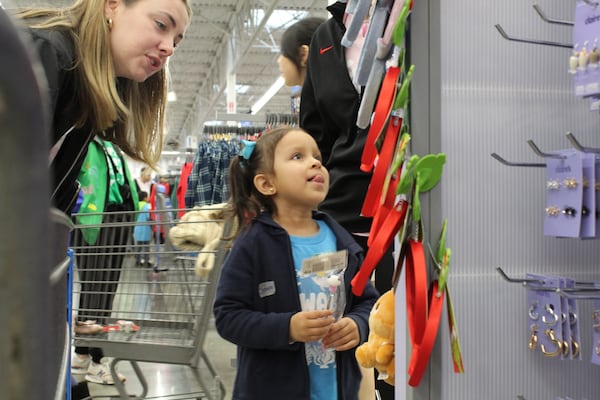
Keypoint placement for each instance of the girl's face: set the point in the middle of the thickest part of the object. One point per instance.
(289, 71)
(300, 179)
(144, 35)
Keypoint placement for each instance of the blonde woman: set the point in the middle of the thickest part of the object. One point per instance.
(104, 61)
(105, 65)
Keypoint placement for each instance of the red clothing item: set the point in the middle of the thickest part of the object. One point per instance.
(186, 170)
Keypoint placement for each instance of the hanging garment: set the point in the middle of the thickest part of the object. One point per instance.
(207, 183)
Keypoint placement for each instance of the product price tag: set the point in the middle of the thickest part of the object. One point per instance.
(337, 260)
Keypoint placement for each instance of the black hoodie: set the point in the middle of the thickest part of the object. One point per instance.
(328, 111)
(57, 55)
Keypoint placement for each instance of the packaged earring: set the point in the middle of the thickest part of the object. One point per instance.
(564, 194)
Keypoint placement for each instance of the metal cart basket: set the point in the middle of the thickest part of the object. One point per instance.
(148, 314)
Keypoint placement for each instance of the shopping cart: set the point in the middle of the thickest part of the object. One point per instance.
(147, 314)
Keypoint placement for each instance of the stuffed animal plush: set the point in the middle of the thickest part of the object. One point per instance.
(200, 229)
(378, 350)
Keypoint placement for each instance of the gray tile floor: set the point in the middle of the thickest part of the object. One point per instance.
(166, 380)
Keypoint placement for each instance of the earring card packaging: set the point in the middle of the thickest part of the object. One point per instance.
(596, 328)
(549, 335)
(588, 208)
(584, 61)
(564, 194)
(571, 320)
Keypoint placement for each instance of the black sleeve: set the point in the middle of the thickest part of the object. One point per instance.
(311, 119)
(55, 52)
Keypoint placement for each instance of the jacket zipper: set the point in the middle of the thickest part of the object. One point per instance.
(84, 147)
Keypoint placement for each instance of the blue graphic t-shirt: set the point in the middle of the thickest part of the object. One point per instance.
(314, 295)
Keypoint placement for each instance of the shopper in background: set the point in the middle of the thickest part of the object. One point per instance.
(292, 66)
(290, 345)
(144, 181)
(328, 111)
(294, 50)
(142, 232)
(105, 217)
(104, 61)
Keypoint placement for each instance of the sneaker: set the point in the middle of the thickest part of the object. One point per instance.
(100, 373)
(80, 363)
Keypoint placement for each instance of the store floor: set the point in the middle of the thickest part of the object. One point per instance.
(166, 380)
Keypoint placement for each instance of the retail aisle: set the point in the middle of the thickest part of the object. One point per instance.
(166, 379)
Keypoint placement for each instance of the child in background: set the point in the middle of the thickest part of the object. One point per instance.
(142, 232)
(290, 345)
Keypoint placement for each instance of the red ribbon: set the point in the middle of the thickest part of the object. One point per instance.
(423, 320)
(385, 100)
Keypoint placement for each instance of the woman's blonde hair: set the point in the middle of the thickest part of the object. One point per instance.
(125, 112)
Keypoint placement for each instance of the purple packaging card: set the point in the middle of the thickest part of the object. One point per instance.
(588, 218)
(596, 329)
(548, 326)
(583, 62)
(567, 334)
(564, 194)
(594, 103)
(573, 320)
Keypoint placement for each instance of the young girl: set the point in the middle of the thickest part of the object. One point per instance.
(290, 344)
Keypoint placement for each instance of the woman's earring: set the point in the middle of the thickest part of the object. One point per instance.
(110, 24)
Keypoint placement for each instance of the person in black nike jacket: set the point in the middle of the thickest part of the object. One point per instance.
(328, 111)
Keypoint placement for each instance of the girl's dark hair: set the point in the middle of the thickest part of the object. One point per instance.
(245, 200)
(297, 35)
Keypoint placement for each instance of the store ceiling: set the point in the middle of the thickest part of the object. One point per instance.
(249, 31)
(199, 67)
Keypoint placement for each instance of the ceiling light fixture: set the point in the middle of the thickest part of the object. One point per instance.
(171, 96)
(267, 96)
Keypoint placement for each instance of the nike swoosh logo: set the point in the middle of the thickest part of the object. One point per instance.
(325, 49)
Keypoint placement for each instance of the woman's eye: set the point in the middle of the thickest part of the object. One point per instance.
(161, 25)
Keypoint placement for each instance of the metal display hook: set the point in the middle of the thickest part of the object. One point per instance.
(543, 16)
(578, 145)
(531, 41)
(580, 294)
(516, 164)
(522, 281)
(542, 154)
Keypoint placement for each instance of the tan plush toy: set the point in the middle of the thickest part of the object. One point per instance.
(200, 229)
(378, 350)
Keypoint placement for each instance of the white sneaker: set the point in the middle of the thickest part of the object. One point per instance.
(100, 373)
(80, 363)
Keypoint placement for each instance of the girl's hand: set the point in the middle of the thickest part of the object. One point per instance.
(343, 335)
(308, 326)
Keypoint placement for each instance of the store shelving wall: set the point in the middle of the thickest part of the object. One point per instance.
(475, 93)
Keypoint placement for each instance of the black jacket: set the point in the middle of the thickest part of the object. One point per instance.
(328, 111)
(57, 55)
(269, 367)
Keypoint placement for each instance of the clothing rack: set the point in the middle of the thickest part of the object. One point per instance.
(232, 131)
(269, 119)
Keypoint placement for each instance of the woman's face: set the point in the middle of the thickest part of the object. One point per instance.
(144, 35)
(289, 71)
